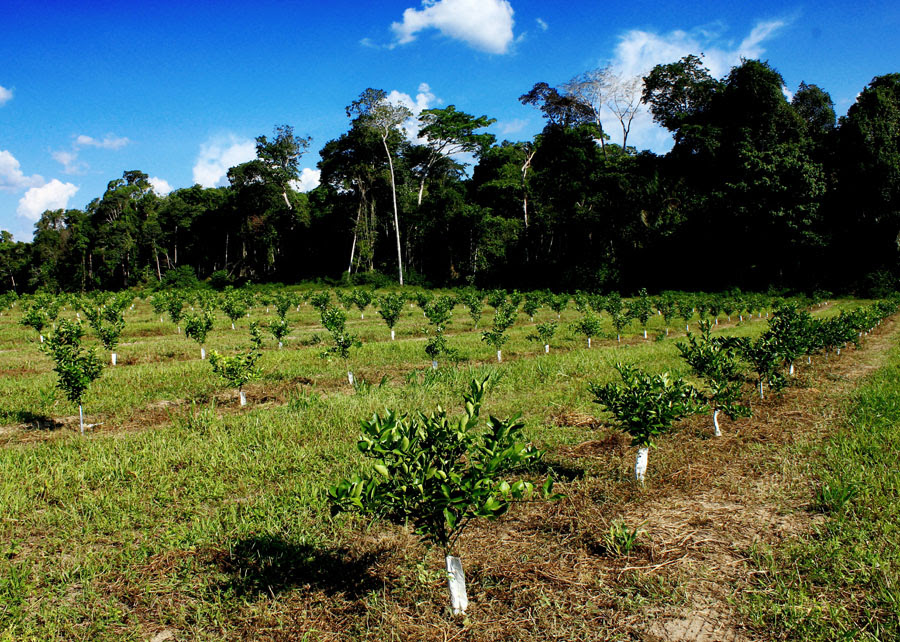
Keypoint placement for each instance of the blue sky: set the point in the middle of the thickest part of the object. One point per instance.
(179, 90)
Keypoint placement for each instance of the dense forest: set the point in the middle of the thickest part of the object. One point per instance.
(757, 191)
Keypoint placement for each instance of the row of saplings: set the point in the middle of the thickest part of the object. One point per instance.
(105, 310)
(439, 473)
(105, 313)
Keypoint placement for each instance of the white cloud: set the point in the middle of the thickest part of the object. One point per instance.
(218, 156)
(486, 25)
(425, 99)
(639, 51)
(160, 185)
(5, 95)
(54, 195)
(12, 178)
(542, 24)
(108, 142)
(69, 161)
(309, 180)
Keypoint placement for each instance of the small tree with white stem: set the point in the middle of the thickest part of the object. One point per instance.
(646, 406)
(75, 367)
(438, 474)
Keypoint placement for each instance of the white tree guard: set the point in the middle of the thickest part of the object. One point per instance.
(456, 582)
(718, 431)
(640, 464)
(350, 377)
(243, 397)
(547, 348)
(499, 357)
(113, 358)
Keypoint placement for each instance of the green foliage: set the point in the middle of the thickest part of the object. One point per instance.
(544, 332)
(588, 325)
(716, 360)
(236, 370)
(320, 300)
(362, 299)
(34, 317)
(284, 301)
(533, 302)
(175, 305)
(198, 325)
(765, 355)
(504, 318)
(620, 539)
(279, 329)
(234, 304)
(439, 473)
(390, 306)
(75, 367)
(641, 308)
(558, 303)
(473, 301)
(335, 321)
(647, 405)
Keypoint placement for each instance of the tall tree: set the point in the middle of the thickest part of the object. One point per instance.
(373, 109)
(448, 132)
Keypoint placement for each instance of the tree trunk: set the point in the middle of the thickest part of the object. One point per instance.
(396, 215)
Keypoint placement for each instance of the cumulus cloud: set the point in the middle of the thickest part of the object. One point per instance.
(485, 25)
(5, 95)
(54, 195)
(159, 185)
(12, 179)
(638, 51)
(218, 156)
(309, 180)
(425, 99)
(108, 142)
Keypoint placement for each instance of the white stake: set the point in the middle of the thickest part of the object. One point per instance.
(243, 397)
(434, 364)
(114, 358)
(547, 348)
(392, 334)
(589, 342)
(640, 464)
(456, 581)
(279, 345)
(716, 423)
(499, 357)
(80, 419)
(350, 377)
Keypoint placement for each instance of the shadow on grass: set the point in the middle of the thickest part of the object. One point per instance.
(31, 420)
(270, 565)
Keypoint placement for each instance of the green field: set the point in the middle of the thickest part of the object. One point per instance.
(180, 515)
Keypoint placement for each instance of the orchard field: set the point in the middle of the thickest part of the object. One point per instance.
(182, 514)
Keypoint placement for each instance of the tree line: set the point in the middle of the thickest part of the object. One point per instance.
(757, 191)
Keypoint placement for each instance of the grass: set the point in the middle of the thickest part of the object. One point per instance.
(182, 512)
(842, 581)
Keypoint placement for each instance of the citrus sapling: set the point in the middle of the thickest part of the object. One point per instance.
(76, 368)
(438, 474)
(646, 406)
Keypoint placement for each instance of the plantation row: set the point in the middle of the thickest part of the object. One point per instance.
(439, 474)
(105, 313)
